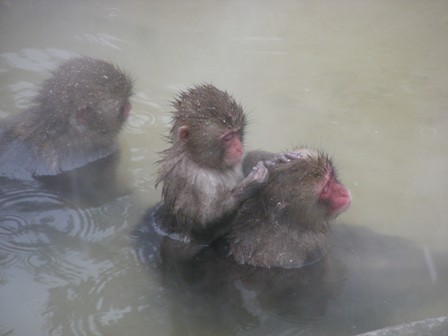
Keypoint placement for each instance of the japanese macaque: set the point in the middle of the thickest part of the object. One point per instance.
(75, 120)
(279, 229)
(201, 173)
(286, 223)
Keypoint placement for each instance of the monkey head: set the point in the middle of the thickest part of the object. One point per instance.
(209, 125)
(309, 187)
(90, 94)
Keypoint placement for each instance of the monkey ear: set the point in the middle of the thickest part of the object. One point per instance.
(183, 133)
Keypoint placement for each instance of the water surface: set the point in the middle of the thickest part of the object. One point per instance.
(365, 80)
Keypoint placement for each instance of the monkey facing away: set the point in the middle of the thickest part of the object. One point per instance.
(74, 120)
(201, 173)
(286, 223)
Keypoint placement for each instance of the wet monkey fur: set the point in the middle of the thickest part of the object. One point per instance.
(74, 120)
(201, 172)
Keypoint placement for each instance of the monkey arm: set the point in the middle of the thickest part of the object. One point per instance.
(214, 217)
(255, 179)
(202, 208)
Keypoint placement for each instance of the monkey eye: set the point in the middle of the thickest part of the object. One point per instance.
(229, 136)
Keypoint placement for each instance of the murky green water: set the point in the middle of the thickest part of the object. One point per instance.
(365, 80)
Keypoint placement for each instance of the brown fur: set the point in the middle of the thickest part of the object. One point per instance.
(74, 120)
(284, 224)
(199, 190)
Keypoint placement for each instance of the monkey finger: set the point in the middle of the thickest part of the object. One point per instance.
(293, 155)
(261, 172)
(283, 157)
(286, 157)
(269, 163)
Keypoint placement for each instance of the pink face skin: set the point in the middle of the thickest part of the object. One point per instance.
(234, 149)
(125, 111)
(335, 194)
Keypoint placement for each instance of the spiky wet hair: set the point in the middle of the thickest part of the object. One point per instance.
(207, 112)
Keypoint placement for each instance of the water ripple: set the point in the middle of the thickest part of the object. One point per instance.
(12, 225)
(112, 13)
(117, 208)
(102, 39)
(78, 253)
(33, 59)
(39, 261)
(33, 218)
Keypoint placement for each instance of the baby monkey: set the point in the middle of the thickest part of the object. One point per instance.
(202, 175)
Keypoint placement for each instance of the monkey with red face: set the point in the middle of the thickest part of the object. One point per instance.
(286, 223)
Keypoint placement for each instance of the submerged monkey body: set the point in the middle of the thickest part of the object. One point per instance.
(267, 241)
(38, 154)
(74, 120)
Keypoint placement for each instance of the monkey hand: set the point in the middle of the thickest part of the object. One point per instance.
(253, 182)
(259, 173)
(283, 157)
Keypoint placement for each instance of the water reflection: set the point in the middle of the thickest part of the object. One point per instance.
(60, 256)
(57, 237)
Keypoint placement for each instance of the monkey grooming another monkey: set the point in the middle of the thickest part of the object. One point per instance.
(286, 223)
(75, 120)
(203, 181)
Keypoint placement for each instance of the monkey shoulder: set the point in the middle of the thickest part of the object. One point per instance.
(275, 248)
(259, 239)
(28, 157)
